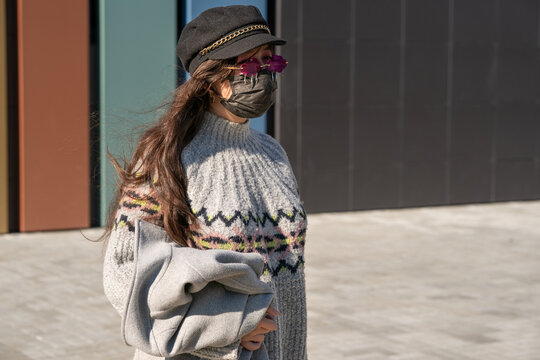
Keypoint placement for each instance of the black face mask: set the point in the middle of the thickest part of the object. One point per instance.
(251, 97)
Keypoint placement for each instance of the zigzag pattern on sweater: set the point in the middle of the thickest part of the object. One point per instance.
(276, 246)
(283, 266)
(136, 200)
(281, 252)
(132, 201)
(121, 221)
(247, 218)
(248, 243)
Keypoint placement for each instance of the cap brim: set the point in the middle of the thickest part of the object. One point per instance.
(245, 44)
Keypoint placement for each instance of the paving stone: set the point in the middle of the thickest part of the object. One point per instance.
(445, 283)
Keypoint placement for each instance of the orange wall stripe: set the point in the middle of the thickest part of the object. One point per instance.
(53, 114)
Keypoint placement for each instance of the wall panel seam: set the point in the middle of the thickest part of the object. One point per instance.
(493, 160)
(4, 204)
(449, 104)
(352, 76)
(20, 80)
(538, 25)
(401, 118)
(300, 44)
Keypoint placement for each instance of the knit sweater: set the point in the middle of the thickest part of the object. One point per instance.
(243, 192)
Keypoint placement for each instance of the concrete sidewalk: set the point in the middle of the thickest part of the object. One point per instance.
(450, 283)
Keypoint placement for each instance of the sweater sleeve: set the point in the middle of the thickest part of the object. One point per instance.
(118, 265)
(118, 262)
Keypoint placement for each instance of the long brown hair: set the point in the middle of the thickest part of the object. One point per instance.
(157, 156)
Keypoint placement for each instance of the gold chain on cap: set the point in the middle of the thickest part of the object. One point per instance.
(233, 35)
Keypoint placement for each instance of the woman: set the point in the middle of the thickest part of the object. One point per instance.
(211, 182)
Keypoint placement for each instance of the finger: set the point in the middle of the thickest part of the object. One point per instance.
(254, 338)
(250, 345)
(267, 325)
(258, 331)
(273, 311)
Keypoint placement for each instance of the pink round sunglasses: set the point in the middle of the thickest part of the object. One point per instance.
(252, 66)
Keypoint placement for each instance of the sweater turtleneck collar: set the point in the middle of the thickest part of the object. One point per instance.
(222, 129)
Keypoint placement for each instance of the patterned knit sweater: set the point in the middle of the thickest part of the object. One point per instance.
(244, 194)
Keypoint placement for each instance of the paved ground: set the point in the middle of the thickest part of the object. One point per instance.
(449, 283)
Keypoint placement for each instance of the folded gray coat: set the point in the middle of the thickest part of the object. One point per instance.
(183, 299)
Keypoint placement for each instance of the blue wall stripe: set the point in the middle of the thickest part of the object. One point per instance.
(192, 9)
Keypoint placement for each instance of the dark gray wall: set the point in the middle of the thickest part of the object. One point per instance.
(398, 103)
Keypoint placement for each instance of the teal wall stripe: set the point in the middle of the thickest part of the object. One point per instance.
(137, 40)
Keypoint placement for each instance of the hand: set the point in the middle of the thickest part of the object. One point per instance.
(254, 339)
